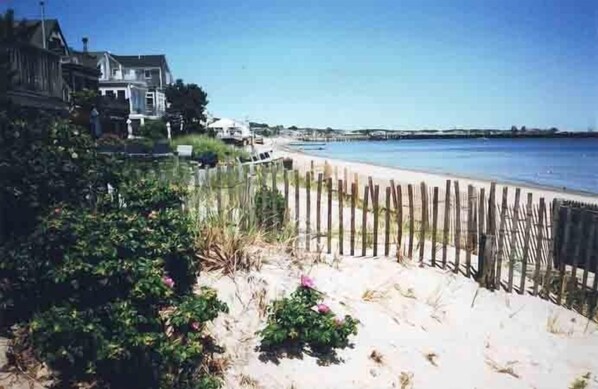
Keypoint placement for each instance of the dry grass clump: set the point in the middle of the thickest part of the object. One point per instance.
(507, 369)
(249, 382)
(372, 295)
(226, 248)
(581, 382)
(406, 380)
(376, 357)
(431, 357)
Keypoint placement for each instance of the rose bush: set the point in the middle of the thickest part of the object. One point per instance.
(302, 321)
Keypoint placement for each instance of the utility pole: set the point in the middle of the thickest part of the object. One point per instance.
(41, 5)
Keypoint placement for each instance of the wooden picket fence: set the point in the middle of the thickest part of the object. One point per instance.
(503, 242)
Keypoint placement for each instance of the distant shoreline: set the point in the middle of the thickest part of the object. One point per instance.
(383, 173)
(477, 135)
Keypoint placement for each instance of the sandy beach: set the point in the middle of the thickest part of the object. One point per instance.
(382, 175)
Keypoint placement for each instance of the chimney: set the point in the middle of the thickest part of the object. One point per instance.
(85, 41)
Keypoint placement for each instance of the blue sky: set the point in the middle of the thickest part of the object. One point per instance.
(369, 63)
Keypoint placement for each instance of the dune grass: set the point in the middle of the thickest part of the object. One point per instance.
(204, 144)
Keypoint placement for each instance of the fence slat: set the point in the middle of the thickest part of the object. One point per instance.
(353, 203)
(364, 222)
(341, 210)
(573, 281)
(422, 232)
(411, 221)
(514, 233)
(539, 241)
(219, 191)
(447, 212)
(274, 169)
(563, 253)
(297, 205)
(501, 235)
(434, 223)
(387, 224)
(528, 227)
(470, 230)
(285, 177)
(589, 252)
(319, 211)
(595, 284)
(399, 205)
(551, 255)
(308, 211)
(457, 226)
(376, 207)
(329, 210)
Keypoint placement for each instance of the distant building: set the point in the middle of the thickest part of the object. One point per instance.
(142, 79)
(231, 131)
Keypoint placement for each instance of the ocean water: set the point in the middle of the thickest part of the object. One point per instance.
(557, 163)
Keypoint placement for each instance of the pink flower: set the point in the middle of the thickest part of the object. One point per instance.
(323, 308)
(195, 326)
(339, 321)
(168, 281)
(307, 282)
(57, 210)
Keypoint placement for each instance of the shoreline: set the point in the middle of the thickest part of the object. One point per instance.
(383, 173)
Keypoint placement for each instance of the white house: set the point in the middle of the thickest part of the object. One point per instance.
(231, 130)
(141, 79)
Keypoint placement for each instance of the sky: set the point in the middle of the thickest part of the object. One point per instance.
(392, 64)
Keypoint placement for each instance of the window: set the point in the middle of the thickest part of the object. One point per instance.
(149, 100)
(114, 71)
(110, 93)
(121, 95)
(148, 74)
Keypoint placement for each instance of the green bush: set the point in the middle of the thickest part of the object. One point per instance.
(270, 208)
(204, 144)
(107, 293)
(154, 129)
(43, 163)
(301, 321)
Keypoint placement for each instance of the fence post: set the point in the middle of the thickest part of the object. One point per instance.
(514, 234)
(387, 224)
(340, 216)
(539, 241)
(296, 172)
(376, 208)
(353, 203)
(457, 226)
(329, 231)
(286, 195)
(411, 221)
(589, 251)
(424, 221)
(528, 227)
(501, 235)
(308, 211)
(447, 215)
(399, 205)
(563, 253)
(364, 222)
(573, 281)
(470, 230)
(434, 223)
(319, 211)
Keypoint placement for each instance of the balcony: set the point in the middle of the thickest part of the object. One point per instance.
(37, 77)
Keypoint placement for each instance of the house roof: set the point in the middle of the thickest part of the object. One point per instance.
(226, 123)
(31, 31)
(141, 61)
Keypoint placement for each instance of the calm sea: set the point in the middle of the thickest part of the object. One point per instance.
(569, 163)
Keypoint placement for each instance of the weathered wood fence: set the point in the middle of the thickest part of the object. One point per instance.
(514, 242)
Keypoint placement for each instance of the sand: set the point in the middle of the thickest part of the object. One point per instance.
(433, 329)
(382, 176)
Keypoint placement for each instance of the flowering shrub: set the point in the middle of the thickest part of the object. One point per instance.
(302, 320)
(106, 294)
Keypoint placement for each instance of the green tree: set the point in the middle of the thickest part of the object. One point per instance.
(188, 100)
